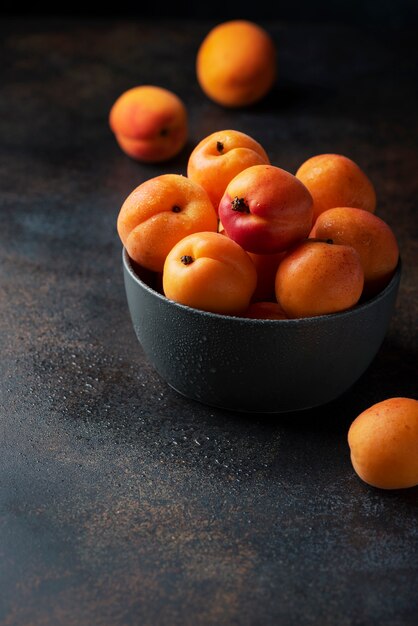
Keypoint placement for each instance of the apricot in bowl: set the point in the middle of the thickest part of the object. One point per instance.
(252, 365)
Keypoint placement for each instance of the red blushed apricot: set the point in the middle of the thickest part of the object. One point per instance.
(317, 278)
(219, 157)
(266, 266)
(383, 442)
(150, 123)
(160, 212)
(372, 237)
(334, 180)
(266, 209)
(209, 271)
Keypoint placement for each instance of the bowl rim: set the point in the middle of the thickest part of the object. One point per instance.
(262, 321)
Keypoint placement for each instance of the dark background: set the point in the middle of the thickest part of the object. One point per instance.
(378, 12)
(121, 502)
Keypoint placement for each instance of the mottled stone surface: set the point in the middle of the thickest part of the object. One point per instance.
(122, 502)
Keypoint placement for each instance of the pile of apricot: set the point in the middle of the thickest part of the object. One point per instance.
(239, 235)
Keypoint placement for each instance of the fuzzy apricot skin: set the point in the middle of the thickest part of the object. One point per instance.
(150, 123)
(371, 236)
(160, 212)
(220, 156)
(317, 278)
(236, 63)
(335, 180)
(383, 442)
(278, 209)
(218, 276)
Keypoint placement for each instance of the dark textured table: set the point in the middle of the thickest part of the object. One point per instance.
(122, 502)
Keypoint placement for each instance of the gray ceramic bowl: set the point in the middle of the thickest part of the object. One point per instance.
(266, 366)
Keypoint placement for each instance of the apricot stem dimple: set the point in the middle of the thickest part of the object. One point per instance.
(164, 132)
(176, 209)
(186, 259)
(219, 146)
(239, 204)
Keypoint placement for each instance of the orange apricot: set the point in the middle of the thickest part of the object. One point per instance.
(318, 278)
(236, 63)
(220, 156)
(370, 235)
(383, 442)
(209, 271)
(160, 212)
(334, 180)
(150, 123)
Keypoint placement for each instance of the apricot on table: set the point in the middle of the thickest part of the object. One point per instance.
(220, 156)
(266, 209)
(158, 213)
(383, 442)
(318, 278)
(150, 123)
(335, 180)
(236, 63)
(370, 235)
(209, 271)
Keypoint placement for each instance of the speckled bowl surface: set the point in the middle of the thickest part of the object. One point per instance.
(262, 366)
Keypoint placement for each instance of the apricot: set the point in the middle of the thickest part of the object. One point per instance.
(334, 180)
(209, 271)
(160, 212)
(318, 278)
(265, 310)
(150, 123)
(370, 235)
(236, 63)
(266, 209)
(219, 157)
(383, 442)
(266, 266)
